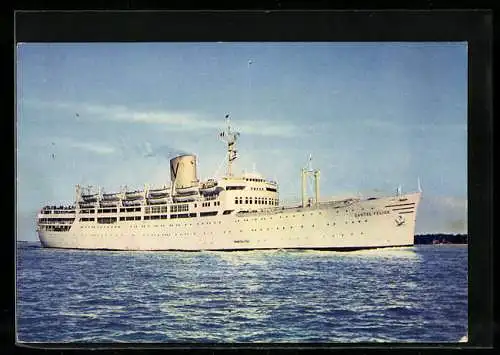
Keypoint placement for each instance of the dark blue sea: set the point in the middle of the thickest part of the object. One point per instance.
(414, 294)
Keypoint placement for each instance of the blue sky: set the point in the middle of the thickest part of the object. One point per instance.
(373, 116)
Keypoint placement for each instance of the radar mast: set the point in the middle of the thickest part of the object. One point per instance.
(229, 137)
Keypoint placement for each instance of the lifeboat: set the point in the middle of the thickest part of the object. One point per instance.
(157, 201)
(111, 197)
(131, 202)
(184, 198)
(86, 204)
(208, 187)
(158, 193)
(134, 195)
(109, 203)
(89, 197)
(190, 190)
(212, 191)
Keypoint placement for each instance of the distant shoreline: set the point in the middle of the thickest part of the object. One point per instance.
(440, 238)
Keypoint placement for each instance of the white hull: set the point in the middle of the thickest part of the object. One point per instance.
(364, 224)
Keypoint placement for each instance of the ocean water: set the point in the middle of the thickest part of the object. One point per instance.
(414, 294)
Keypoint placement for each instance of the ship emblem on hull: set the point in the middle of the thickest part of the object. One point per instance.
(400, 220)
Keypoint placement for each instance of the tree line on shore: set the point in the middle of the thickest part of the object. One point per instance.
(440, 238)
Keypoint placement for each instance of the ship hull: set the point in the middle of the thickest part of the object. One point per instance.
(377, 223)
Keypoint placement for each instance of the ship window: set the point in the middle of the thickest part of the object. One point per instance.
(122, 209)
(137, 218)
(246, 200)
(122, 218)
(205, 214)
(106, 220)
(146, 218)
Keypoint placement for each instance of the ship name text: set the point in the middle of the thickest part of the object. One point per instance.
(372, 213)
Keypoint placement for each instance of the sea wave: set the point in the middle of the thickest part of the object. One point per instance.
(386, 295)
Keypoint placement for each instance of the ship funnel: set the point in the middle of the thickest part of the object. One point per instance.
(183, 171)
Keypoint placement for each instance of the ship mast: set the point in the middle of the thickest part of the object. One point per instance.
(229, 137)
(305, 172)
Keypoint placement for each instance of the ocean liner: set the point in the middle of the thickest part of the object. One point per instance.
(234, 212)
